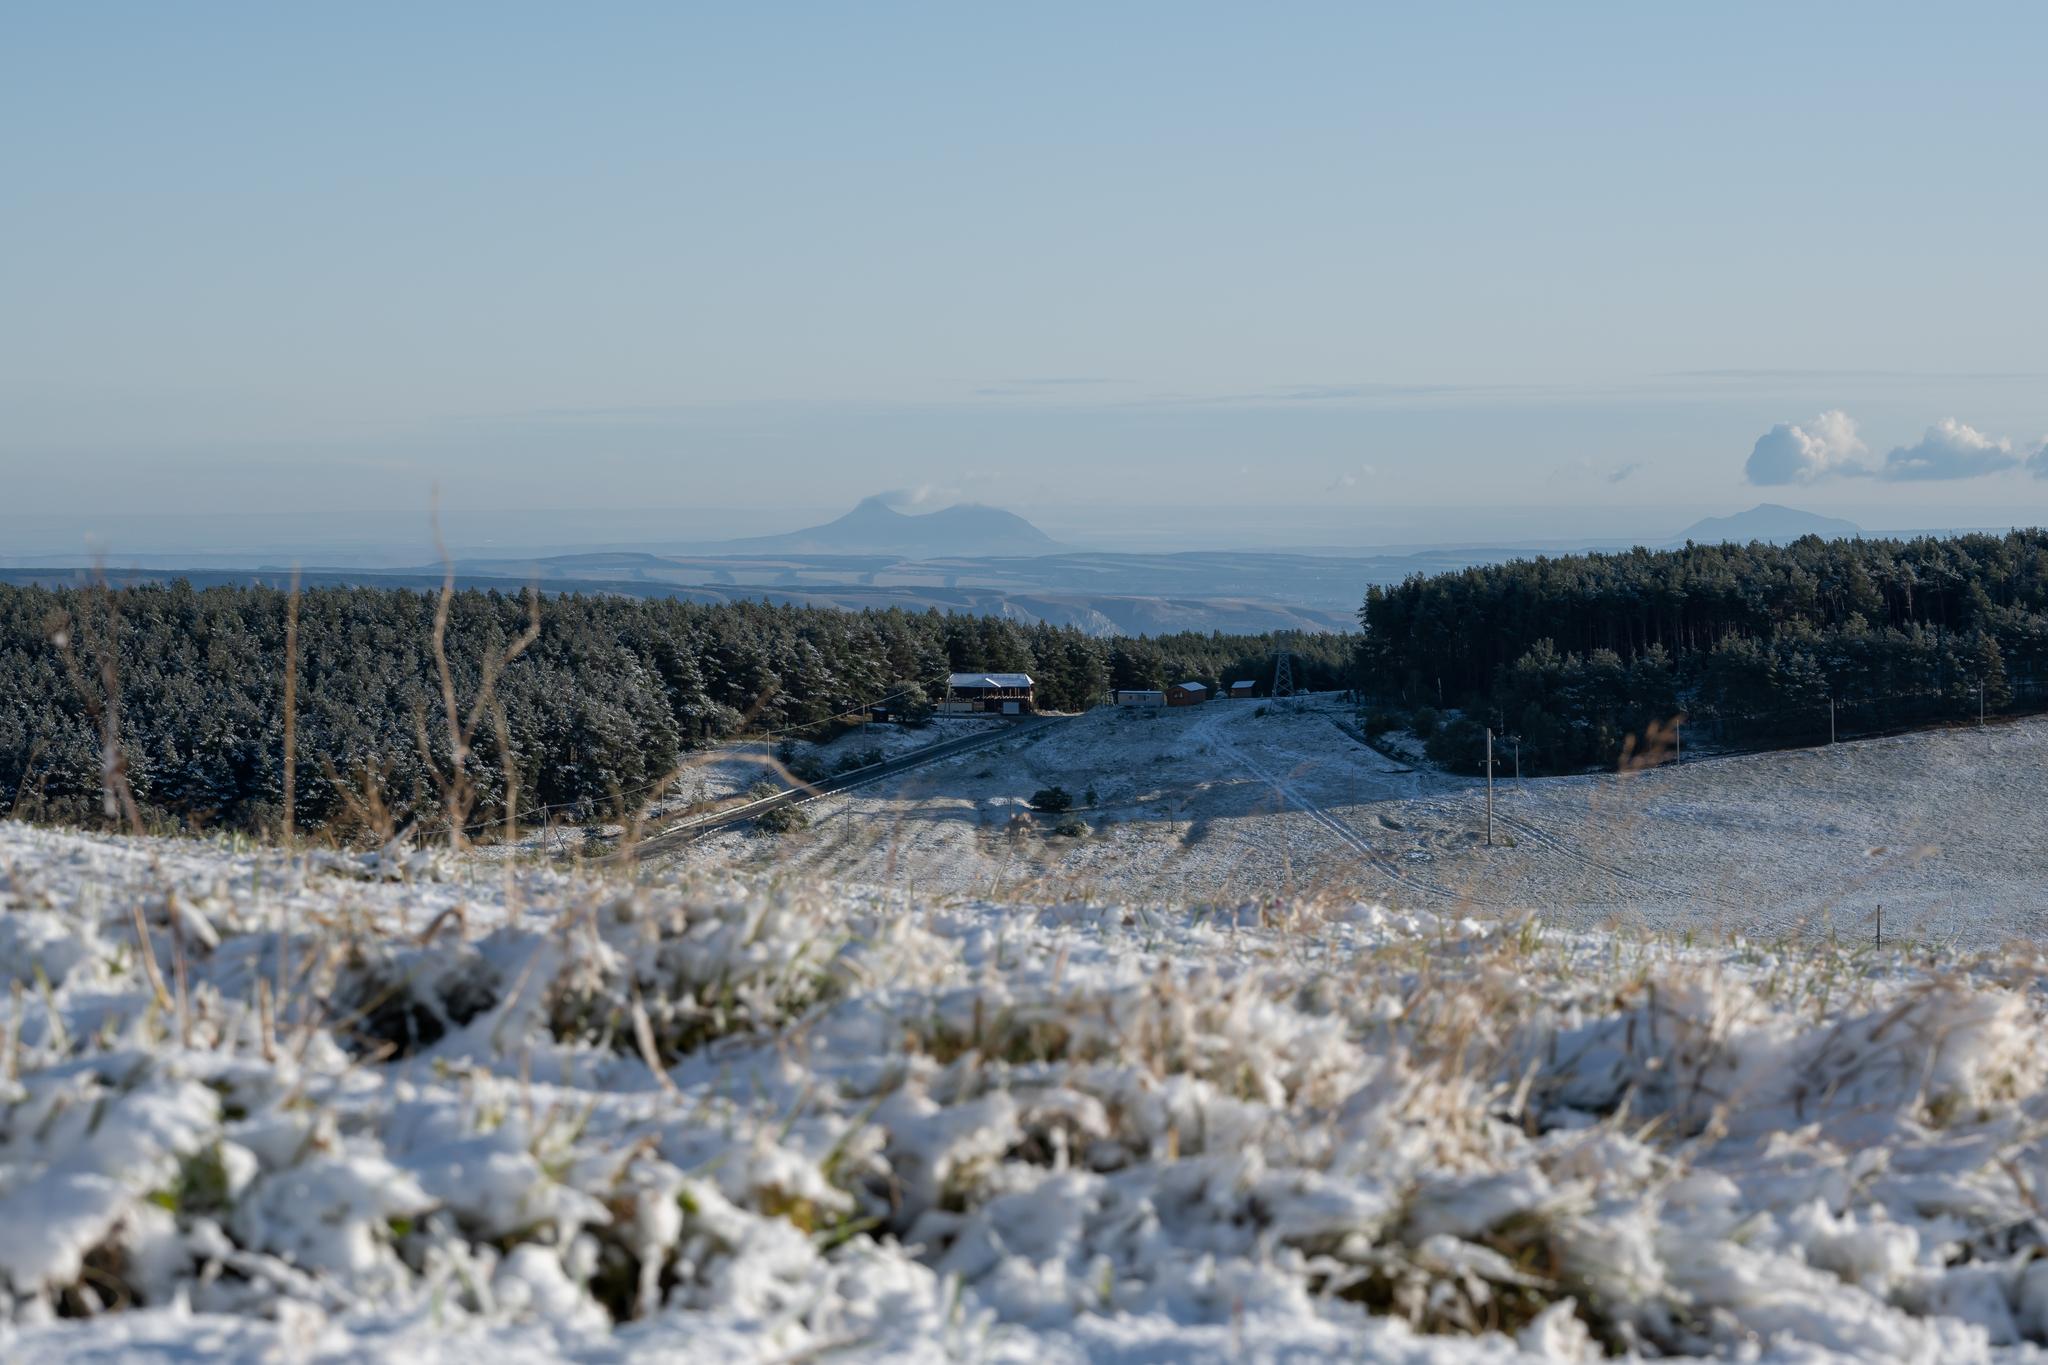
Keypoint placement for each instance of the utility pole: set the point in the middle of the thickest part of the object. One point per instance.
(1678, 740)
(1518, 762)
(1489, 786)
(1831, 720)
(1980, 706)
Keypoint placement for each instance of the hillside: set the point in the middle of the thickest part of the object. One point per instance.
(1946, 830)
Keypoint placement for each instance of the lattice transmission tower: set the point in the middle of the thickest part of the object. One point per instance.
(1283, 671)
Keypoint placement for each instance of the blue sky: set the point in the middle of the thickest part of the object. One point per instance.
(266, 258)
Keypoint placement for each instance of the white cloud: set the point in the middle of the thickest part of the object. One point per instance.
(1367, 469)
(1949, 450)
(1800, 454)
(1343, 482)
(1582, 468)
(2038, 461)
(910, 497)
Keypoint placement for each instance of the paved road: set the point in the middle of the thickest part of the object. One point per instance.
(677, 836)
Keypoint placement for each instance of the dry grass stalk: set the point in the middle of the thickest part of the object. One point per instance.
(116, 796)
(458, 788)
(147, 954)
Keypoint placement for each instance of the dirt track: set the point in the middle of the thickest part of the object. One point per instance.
(1947, 830)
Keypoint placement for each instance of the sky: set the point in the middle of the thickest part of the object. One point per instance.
(679, 260)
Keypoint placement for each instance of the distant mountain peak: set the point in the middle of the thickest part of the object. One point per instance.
(1770, 521)
(875, 527)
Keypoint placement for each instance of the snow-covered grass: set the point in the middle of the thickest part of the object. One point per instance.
(415, 1110)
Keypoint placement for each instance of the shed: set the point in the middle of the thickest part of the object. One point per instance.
(1243, 689)
(1187, 694)
(1138, 697)
(1005, 694)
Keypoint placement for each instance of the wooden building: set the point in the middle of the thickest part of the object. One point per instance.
(1187, 694)
(1246, 688)
(1003, 694)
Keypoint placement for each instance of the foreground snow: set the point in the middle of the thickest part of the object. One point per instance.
(893, 1131)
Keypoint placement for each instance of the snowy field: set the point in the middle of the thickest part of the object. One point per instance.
(1947, 831)
(724, 772)
(407, 1110)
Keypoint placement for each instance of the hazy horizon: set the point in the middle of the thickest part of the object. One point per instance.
(366, 538)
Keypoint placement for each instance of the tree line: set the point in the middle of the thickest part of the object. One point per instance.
(606, 700)
(1581, 655)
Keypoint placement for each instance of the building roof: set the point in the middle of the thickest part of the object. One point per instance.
(988, 680)
(1192, 687)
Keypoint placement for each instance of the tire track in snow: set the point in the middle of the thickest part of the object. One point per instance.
(1378, 861)
(1523, 830)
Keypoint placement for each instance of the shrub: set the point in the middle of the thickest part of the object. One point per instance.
(1071, 826)
(1460, 746)
(1423, 720)
(1051, 800)
(784, 820)
(1378, 721)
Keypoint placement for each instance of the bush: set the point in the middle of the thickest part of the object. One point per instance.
(866, 758)
(762, 790)
(1071, 826)
(784, 820)
(1423, 720)
(1051, 800)
(1378, 721)
(1460, 746)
